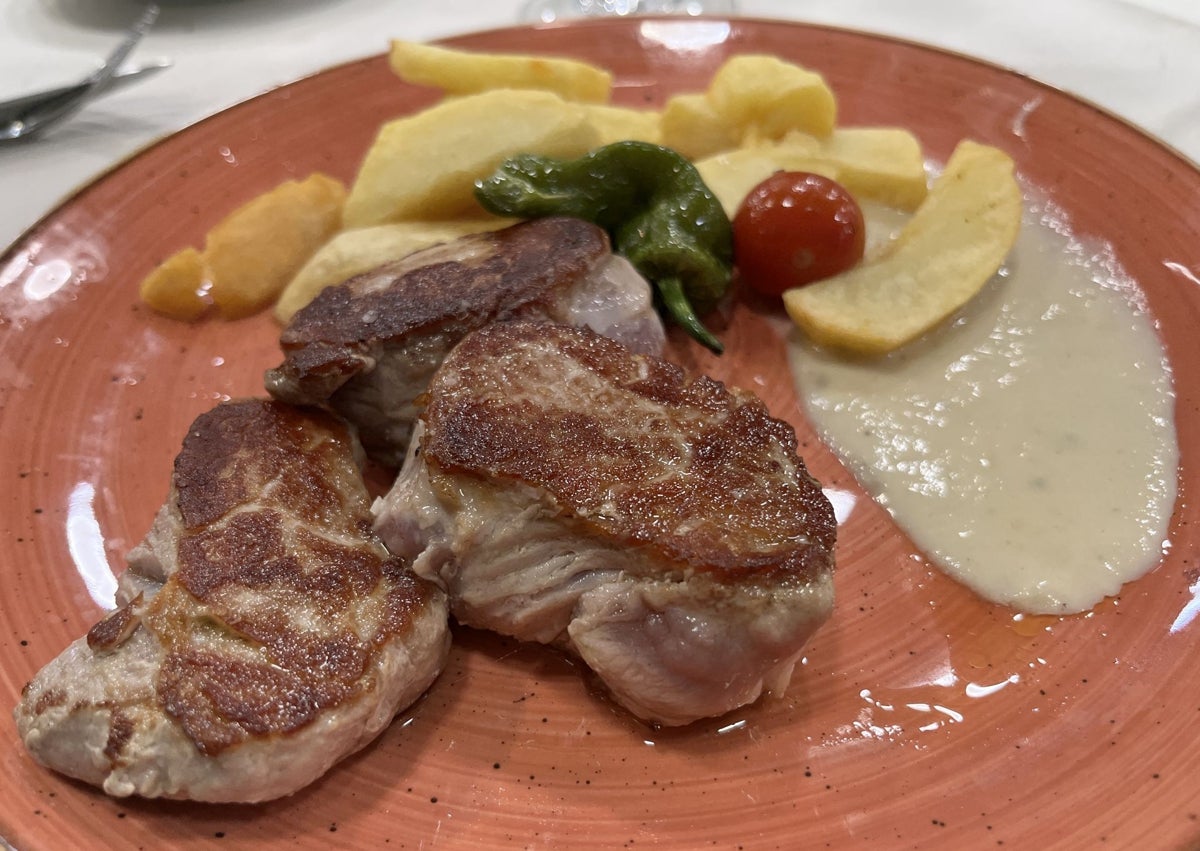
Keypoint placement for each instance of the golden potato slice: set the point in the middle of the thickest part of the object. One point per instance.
(463, 72)
(768, 97)
(424, 166)
(620, 123)
(352, 252)
(884, 164)
(253, 252)
(874, 163)
(731, 175)
(950, 248)
(174, 287)
(691, 126)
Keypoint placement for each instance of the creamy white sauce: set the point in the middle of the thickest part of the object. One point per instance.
(1028, 447)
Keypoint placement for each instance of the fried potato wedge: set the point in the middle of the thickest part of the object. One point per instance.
(353, 252)
(463, 72)
(253, 252)
(424, 166)
(951, 247)
(885, 164)
(880, 164)
(173, 288)
(691, 126)
(732, 174)
(620, 123)
(767, 97)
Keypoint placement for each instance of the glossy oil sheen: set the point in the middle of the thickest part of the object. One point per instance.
(921, 716)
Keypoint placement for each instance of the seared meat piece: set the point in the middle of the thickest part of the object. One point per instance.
(368, 347)
(264, 632)
(567, 491)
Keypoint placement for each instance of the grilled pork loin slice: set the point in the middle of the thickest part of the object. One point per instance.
(368, 347)
(565, 490)
(263, 634)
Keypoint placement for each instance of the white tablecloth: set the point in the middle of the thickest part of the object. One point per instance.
(1137, 58)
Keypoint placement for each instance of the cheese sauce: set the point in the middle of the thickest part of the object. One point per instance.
(1028, 447)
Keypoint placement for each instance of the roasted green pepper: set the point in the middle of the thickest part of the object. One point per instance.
(653, 204)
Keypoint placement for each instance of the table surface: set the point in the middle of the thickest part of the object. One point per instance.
(1136, 58)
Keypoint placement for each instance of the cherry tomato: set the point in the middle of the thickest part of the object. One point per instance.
(795, 228)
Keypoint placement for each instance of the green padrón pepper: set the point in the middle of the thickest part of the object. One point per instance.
(655, 207)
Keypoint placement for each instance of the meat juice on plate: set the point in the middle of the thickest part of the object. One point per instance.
(1029, 447)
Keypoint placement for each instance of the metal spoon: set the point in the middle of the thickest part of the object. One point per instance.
(26, 116)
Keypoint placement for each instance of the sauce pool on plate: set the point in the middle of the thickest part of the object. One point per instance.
(1028, 447)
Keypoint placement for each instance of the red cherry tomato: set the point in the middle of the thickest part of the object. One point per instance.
(795, 228)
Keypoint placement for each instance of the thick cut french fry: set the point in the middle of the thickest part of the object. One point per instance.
(352, 252)
(463, 72)
(950, 248)
(767, 97)
(253, 252)
(884, 164)
(879, 164)
(731, 175)
(691, 126)
(424, 166)
(620, 123)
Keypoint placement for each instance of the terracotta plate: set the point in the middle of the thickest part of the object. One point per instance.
(921, 717)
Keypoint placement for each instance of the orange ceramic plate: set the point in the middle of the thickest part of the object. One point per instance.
(921, 717)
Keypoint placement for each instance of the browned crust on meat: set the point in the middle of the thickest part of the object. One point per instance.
(49, 699)
(112, 630)
(221, 700)
(120, 731)
(337, 335)
(234, 450)
(632, 446)
(282, 596)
